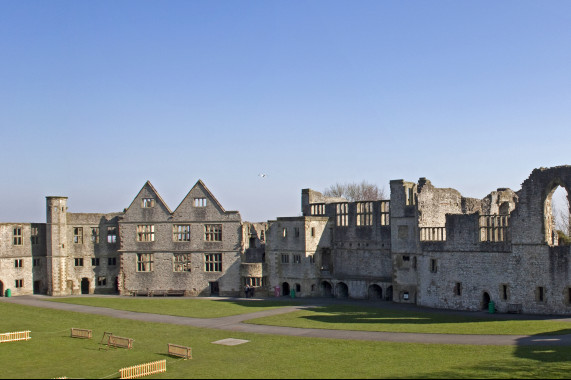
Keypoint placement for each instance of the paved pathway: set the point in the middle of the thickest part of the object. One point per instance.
(234, 323)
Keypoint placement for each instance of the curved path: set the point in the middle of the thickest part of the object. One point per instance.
(234, 323)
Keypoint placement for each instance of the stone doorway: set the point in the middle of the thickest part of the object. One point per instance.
(84, 285)
(285, 289)
(390, 293)
(214, 289)
(1, 289)
(375, 292)
(326, 289)
(485, 301)
(342, 290)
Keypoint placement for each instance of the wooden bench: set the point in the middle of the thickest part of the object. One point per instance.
(514, 308)
(81, 333)
(118, 341)
(175, 293)
(180, 351)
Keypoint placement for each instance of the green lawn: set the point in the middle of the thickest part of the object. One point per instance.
(378, 319)
(52, 353)
(182, 307)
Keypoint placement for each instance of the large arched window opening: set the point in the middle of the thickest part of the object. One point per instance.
(557, 217)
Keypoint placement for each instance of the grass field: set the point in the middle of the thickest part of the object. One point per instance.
(337, 317)
(52, 353)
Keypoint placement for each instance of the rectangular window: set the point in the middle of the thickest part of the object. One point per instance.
(78, 262)
(284, 232)
(101, 281)
(199, 202)
(181, 232)
(254, 282)
(296, 231)
(385, 220)
(504, 292)
(111, 261)
(181, 262)
(213, 232)
(285, 259)
(364, 213)
(78, 235)
(262, 235)
(95, 235)
(17, 237)
(458, 289)
(409, 196)
(213, 262)
(312, 259)
(35, 236)
(95, 261)
(433, 266)
(342, 210)
(318, 209)
(148, 202)
(36, 263)
(313, 231)
(146, 232)
(540, 293)
(18, 263)
(19, 283)
(112, 235)
(144, 262)
(297, 259)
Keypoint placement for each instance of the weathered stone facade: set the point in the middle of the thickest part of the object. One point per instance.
(425, 245)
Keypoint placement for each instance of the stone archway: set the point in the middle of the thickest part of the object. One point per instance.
(486, 301)
(326, 289)
(342, 290)
(285, 289)
(375, 292)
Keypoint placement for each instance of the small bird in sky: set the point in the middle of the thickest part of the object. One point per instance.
(262, 175)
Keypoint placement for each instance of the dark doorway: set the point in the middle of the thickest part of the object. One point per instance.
(117, 284)
(375, 292)
(84, 285)
(342, 290)
(285, 289)
(326, 289)
(485, 301)
(390, 293)
(214, 289)
(37, 287)
(1, 289)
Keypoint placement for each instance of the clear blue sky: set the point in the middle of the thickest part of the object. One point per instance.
(97, 97)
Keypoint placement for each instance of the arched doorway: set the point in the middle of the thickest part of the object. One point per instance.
(342, 290)
(84, 285)
(326, 289)
(485, 301)
(285, 289)
(375, 292)
(390, 293)
(1, 289)
(557, 217)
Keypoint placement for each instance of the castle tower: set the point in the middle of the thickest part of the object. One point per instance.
(56, 240)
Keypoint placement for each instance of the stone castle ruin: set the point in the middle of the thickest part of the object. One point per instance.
(425, 245)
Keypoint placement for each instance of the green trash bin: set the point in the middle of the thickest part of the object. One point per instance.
(8, 293)
(292, 293)
(492, 307)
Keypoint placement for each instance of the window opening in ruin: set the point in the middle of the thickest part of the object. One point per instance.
(18, 263)
(458, 289)
(200, 202)
(318, 209)
(433, 266)
(297, 259)
(312, 259)
(95, 235)
(181, 262)
(213, 232)
(557, 221)
(111, 261)
(95, 261)
(409, 196)
(36, 263)
(313, 231)
(406, 258)
(213, 262)
(35, 236)
(78, 235)
(296, 231)
(297, 288)
(284, 232)
(342, 210)
(313, 287)
(364, 213)
(385, 220)
(505, 292)
(19, 283)
(17, 237)
(405, 296)
(101, 281)
(145, 232)
(181, 232)
(262, 235)
(78, 262)
(255, 282)
(148, 203)
(145, 262)
(252, 243)
(494, 228)
(540, 293)
(285, 259)
(112, 235)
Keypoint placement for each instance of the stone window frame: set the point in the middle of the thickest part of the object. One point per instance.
(254, 282)
(200, 202)
(111, 234)
(458, 289)
(101, 281)
(181, 233)
(145, 262)
(36, 262)
(77, 235)
(317, 209)
(285, 258)
(19, 283)
(181, 262)
(147, 202)
(17, 236)
(297, 259)
(540, 294)
(364, 214)
(212, 262)
(504, 292)
(145, 233)
(35, 235)
(213, 232)
(111, 261)
(296, 232)
(95, 235)
(433, 266)
(95, 262)
(78, 262)
(342, 214)
(18, 263)
(311, 259)
(385, 213)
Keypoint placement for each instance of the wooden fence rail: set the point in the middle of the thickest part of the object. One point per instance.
(143, 369)
(81, 333)
(117, 341)
(15, 336)
(180, 351)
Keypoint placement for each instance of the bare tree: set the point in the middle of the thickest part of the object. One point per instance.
(561, 214)
(363, 191)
